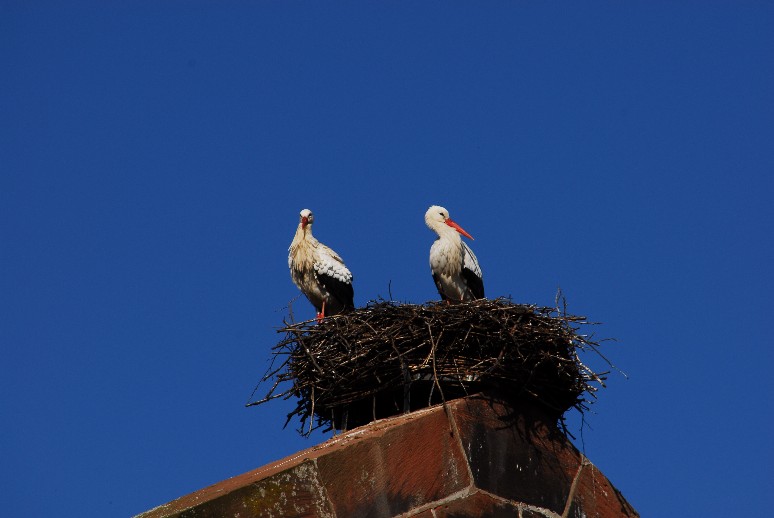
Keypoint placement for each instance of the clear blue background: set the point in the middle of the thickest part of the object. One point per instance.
(154, 157)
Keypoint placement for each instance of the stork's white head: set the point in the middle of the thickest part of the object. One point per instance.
(436, 217)
(306, 218)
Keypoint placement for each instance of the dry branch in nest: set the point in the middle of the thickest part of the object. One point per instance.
(388, 358)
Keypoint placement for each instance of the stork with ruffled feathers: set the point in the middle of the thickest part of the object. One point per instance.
(455, 269)
(319, 272)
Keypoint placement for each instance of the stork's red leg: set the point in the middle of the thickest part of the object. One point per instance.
(321, 314)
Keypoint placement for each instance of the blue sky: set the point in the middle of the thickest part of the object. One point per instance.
(154, 158)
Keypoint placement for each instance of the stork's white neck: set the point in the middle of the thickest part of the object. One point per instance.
(304, 239)
(446, 232)
(303, 233)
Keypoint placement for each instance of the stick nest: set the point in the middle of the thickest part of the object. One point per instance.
(385, 358)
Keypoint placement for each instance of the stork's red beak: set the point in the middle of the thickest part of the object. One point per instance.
(304, 222)
(458, 228)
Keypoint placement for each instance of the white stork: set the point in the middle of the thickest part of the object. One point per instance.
(455, 268)
(319, 272)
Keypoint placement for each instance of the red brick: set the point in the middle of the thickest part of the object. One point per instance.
(389, 467)
(293, 492)
(595, 497)
(528, 513)
(514, 454)
(477, 505)
(407, 466)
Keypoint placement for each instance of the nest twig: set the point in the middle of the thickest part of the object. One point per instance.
(386, 348)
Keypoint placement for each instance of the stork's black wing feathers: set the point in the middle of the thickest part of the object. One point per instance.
(471, 272)
(343, 293)
(474, 282)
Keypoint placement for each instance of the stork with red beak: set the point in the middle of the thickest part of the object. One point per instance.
(319, 272)
(455, 268)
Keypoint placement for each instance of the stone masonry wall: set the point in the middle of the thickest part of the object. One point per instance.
(473, 457)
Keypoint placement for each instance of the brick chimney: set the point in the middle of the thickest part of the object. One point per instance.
(470, 457)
